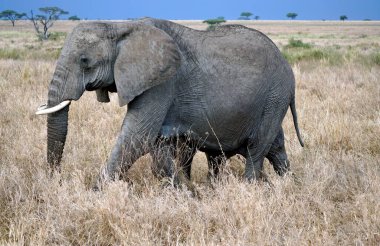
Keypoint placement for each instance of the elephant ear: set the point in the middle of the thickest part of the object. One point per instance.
(146, 57)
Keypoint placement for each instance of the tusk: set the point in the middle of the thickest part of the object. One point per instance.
(43, 109)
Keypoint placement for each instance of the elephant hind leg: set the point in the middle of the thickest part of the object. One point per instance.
(277, 154)
(254, 163)
(261, 141)
(185, 156)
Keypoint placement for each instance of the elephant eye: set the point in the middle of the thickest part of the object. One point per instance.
(83, 61)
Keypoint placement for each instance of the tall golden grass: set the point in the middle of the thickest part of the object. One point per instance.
(335, 199)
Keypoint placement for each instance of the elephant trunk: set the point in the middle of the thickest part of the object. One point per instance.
(56, 137)
(62, 90)
(57, 122)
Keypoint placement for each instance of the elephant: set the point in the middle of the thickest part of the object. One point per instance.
(224, 92)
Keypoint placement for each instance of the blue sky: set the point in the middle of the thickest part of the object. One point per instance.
(204, 9)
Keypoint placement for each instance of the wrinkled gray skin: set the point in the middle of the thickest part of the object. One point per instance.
(226, 89)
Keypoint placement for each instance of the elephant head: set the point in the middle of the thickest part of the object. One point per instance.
(128, 58)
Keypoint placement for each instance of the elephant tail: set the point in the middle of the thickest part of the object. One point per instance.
(294, 114)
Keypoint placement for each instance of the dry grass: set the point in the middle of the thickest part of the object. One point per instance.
(335, 201)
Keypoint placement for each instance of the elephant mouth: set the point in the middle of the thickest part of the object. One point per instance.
(43, 109)
(93, 86)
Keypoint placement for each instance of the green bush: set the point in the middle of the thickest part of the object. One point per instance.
(296, 50)
(318, 55)
(57, 36)
(376, 58)
(212, 23)
(333, 56)
(13, 54)
(315, 54)
(27, 53)
(54, 36)
(297, 43)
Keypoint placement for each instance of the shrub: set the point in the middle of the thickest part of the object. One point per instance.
(318, 54)
(57, 36)
(74, 18)
(376, 58)
(297, 43)
(315, 54)
(296, 50)
(13, 54)
(29, 53)
(212, 23)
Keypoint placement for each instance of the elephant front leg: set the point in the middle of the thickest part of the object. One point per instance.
(164, 154)
(129, 147)
(138, 133)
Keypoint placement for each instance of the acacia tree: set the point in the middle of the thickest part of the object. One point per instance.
(292, 15)
(74, 18)
(212, 23)
(47, 19)
(343, 17)
(11, 15)
(245, 15)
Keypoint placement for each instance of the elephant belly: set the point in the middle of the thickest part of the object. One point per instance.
(227, 127)
(222, 112)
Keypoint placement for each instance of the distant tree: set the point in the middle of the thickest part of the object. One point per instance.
(292, 15)
(245, 15)
(11, 15)
(47, 19)
(74, 18)
(257, 17)
(212, 23)
(343, 17)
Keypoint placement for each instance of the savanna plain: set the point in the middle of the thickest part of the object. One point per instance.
(331, 197)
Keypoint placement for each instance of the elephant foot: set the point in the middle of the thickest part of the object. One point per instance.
(101, 181)
(97, 185)
(167, 182)
(184, 180)
(179, 181)
(265, 179)
(281, 167)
